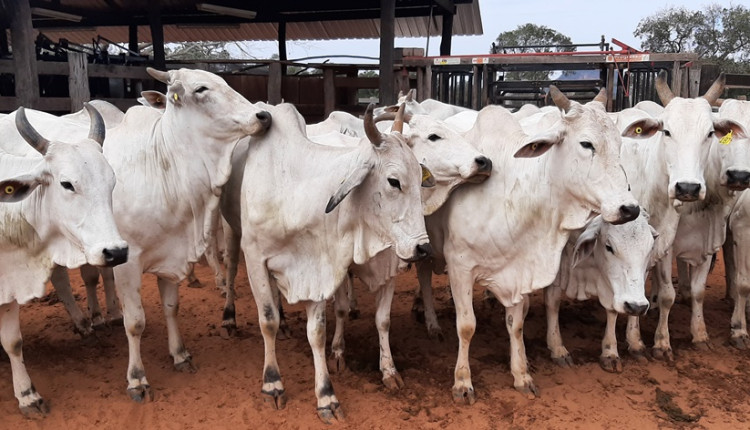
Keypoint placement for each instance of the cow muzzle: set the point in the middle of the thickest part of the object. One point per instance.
(688, 191)
(115, 256)
(484, 170)
(627, 213)
(636, 309)
(738, 180)
(264, 123)
(422, 251)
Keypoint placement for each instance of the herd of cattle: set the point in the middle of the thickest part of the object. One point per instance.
(569, 198)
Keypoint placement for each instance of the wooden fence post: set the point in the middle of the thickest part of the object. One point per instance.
(78, 80)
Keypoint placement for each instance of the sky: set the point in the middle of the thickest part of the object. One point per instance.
(584, 21)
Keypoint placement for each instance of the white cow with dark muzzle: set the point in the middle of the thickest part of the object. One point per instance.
(55, 209)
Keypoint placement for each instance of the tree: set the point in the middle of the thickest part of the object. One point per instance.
(717, 33)
(531, 38)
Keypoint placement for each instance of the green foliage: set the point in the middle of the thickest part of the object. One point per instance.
(531, 38)
(717, 33)
(197, 51)
(366, 93)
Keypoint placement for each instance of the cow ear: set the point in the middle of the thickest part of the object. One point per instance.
(17, 189)
(724, 127)
(587, 241)
(352, 181)
(154, 99)
(538, 145)
(393, 109)
(642, 128)
(428, 180)
(176, 93)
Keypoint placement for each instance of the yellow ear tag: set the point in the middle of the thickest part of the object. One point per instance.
(638, 130)
(425, 174)
(727, 139)
(176, 96)
(10, 189)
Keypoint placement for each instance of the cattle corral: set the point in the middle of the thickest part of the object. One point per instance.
(83, 379)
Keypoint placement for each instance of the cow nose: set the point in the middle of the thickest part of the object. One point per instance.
(635, 309)
(628, 213)
(484, 163)
(424, 250)
(265, 119)
(687, 192)
(115, 256)
(738, 179)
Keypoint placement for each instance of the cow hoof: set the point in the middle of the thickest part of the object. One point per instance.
(116, 322)
(336, 362)
(84, 331)
(228, 331)
(435, 334)
(564, 361)
(141, 393)
(663, 354)
(328, 413)
(464, 395)
(393, 381)
(195, 283)
(353, 314)
(639, 355)
(703, 346)
(276, 398)
(37, 409)
(611, 364)
(186, 366)
(529, 389)
(741, 342)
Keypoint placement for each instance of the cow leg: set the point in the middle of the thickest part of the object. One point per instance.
(212, 253)
(424, 274)
(684, 274)
(740, 276)
(636, 347)
(519, 367)
(90, 276)
(229, 322)
(729, 265)
(384, 299)
(128, 287)
(114, 310)
(170, 301)
(284, 331)
(353, 305)
(697, 293)
(193, 281)
(663, 277)
(559, 353)
(328, 405)
(61, 281)
(336, 362)
(462, 286)
(610, 358)
(29, 401)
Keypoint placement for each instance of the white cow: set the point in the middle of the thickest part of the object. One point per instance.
(293, 241)
(111, 114)
(56, 209)
(170, 169)
(430, 107)
(339, 122)
(508, 234)
(605, 261)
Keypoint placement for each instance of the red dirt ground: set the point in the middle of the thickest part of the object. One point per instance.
(84, 381)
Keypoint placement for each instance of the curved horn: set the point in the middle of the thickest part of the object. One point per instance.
(410, 95)
(372, 132)
(559, 98)
(391, 116)
(398, 123)
(30, 134)
(662, 89)
(716, 90)
(601, 97)
(158, 75)
(96, 129)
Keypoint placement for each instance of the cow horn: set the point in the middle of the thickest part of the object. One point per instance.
(96, 129)
(559, 98)
(601, 97)
(29, 134)
(398, 123)
(372, 132)
(391, 116)
(410, 95)
(716, 90)
(158, 75)
(662, 89)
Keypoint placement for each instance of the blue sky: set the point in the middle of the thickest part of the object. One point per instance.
(584, 21)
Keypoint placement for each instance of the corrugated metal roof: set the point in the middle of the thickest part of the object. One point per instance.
(467, 21)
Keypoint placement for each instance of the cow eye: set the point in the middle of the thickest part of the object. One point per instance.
(433, 137)
(394, 183)
(609, 248)
(588, 145)
(67, 185)
(667, 133)
(200, 89)
(710, 134)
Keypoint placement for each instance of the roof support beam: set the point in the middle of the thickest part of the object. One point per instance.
(157, 36)
(445, 39)
(387, 34)
(447, 5)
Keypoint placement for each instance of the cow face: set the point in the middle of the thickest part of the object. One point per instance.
(202, 101)
(74, 209)
(623, 255)
(586, 147)
(451, 159)
(734, 147)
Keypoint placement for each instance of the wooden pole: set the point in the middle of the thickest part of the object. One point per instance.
(476, 88)
(133, 38)
(157, 36)
(387, 34)
(447, 35)
(610, 85)
(282, 45)
(78, 80)
(329, 91)
(24, 54)
(3, 40)
(274, 83)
